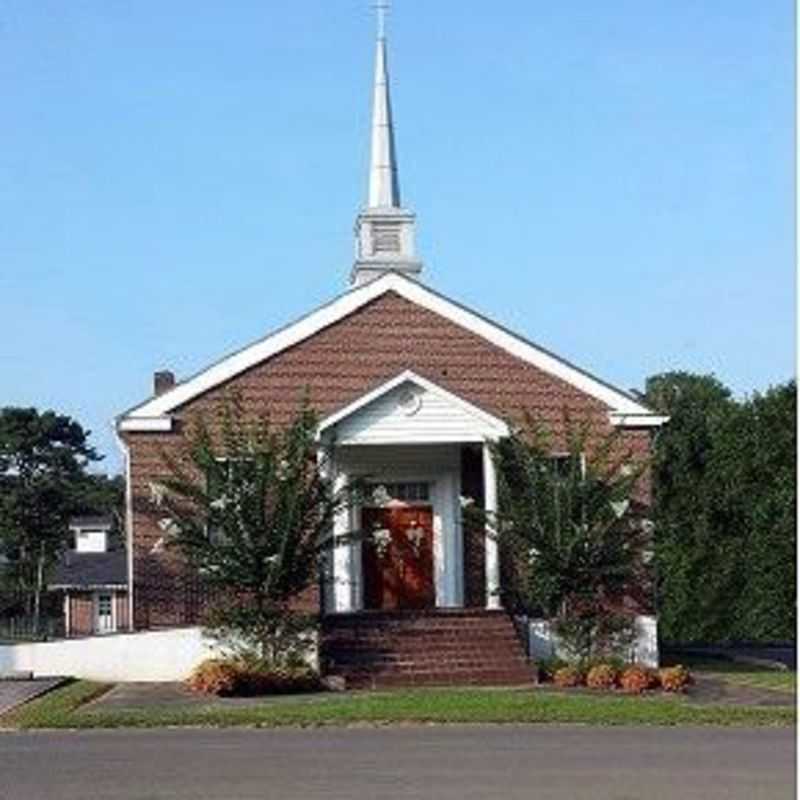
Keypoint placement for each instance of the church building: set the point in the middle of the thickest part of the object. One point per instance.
(411, 387)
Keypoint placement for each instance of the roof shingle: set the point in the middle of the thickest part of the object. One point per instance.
(88, 570)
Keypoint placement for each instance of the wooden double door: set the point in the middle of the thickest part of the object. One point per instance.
(398, 557)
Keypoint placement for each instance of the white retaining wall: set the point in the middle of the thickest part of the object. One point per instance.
(543, 642)
(148, 656)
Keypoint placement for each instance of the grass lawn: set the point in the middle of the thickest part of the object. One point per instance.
(62, 709)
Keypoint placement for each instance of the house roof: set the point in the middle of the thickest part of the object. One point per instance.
(91, 571)
(153, 414)
(96, 523)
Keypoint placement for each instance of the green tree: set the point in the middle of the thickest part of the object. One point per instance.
(725, 499)
(43, 461)
(754, 481)
(572, 545)
(252, 512)
(691, 563)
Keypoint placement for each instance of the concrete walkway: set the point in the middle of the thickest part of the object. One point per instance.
(453, 763)
(128, 696)
(16, 692)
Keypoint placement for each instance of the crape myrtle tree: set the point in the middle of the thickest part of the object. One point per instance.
(44, 457)
(573, 548)
(251, 508)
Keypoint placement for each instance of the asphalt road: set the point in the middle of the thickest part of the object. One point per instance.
(508, 762)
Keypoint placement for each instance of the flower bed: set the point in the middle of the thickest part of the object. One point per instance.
(239, 678)
(613, 676)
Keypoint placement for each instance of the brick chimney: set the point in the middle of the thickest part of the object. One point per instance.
(163, 381)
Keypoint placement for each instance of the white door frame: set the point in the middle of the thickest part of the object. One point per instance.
(96, 611)
(448, 557)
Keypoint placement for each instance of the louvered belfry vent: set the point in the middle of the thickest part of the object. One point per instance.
(386, 238)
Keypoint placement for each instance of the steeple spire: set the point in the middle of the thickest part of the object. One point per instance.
(384, 229)
(384, 189)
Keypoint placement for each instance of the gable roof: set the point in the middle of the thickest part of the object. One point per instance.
(153, 414)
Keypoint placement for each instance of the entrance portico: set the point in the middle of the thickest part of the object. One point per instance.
(405, 441)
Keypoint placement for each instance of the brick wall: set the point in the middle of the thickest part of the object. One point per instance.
(335, 367)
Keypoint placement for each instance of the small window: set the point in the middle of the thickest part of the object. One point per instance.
(564, 463)
(90, 541)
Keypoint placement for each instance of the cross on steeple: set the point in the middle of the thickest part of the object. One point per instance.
(383, 7)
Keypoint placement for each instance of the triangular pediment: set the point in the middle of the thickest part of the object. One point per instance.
(410, 409)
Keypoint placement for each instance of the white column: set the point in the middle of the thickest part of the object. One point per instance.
(449, 593)
(342, 555)
(67, 620)
(492, 550)
(356, 561)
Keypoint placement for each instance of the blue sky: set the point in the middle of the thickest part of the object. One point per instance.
(613, 180)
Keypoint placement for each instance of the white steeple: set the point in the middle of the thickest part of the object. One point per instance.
(384, 191)
(384, 229)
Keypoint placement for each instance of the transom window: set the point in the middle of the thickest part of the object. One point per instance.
(380, 494)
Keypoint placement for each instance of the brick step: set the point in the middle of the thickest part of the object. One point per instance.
(492, 629)
(450, 676)
(384, 649)
(411, 665)
(420, 669)
(411, 620)
(346, 670)
(454, 645)
(436, 647)
(425, 629)
(506, 669)
(392, 680)
(436, 614)
(383, 645)
(453, 654)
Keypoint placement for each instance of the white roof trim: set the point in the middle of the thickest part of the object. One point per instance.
(137, 424)
(351, 301)
(494, 424)
(86, 587)
(637, 420)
